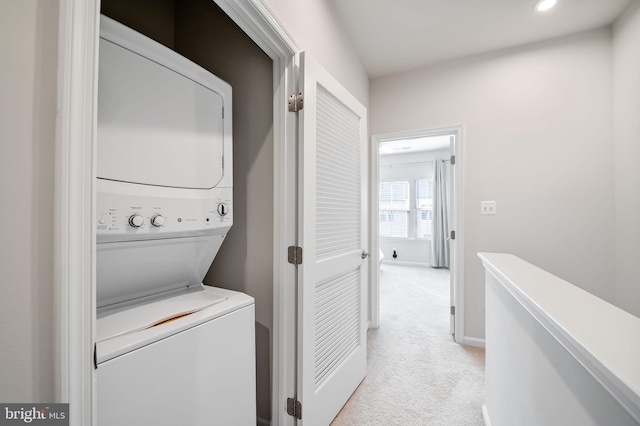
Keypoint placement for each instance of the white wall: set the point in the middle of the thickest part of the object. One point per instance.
(28, 61)
(537, 140)
(416, 251)
(317, 29)
(626, 95)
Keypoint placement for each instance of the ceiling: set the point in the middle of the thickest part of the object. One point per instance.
(392, 36)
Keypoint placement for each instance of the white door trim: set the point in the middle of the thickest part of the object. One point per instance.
(458, 222)
(75, 200)
(74, 249)
(374, 237)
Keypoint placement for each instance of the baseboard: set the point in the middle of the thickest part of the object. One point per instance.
(398, 262)
(473, 341)
(370, 326)
(485, 415)
(263, 422)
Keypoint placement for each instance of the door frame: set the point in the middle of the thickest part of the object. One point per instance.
(74, 211)
(457, 254)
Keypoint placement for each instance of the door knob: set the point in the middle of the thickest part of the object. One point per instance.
(364, 254)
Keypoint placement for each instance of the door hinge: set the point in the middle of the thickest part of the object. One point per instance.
(452, 324)
(295, 255)
(294, 408)
(296, 102)
(453, 235)
(453, 160)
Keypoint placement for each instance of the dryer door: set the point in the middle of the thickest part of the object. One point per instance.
(156, 126)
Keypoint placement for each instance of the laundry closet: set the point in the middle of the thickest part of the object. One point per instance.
(200, 31)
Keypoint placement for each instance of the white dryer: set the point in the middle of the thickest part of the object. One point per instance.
(169, 350)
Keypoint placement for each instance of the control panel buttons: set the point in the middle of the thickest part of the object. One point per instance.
(157, 220)
(223, 209)
(136, 220)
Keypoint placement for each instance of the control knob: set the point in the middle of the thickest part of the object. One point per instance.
(136, 220)
(223, 209)
(157, 220)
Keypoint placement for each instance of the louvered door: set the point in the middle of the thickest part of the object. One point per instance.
(333, 235)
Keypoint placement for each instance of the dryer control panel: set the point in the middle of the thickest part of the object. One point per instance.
(127, 212)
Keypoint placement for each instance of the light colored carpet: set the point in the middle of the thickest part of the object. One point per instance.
(416, 373)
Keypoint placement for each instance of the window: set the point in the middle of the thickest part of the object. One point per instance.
(403, 216)
(394, 209)
(424, 207)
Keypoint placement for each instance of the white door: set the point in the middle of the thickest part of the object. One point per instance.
(332, 286)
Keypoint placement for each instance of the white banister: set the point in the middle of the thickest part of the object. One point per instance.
(555, 354)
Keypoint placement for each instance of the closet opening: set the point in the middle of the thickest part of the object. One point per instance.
(203, 33)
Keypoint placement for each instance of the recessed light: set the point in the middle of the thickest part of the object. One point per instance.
(544, 5)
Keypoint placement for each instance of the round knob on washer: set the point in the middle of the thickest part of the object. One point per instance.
(136, 220)
(157, 220)
(223, 209)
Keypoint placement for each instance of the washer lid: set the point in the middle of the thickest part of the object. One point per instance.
(154, 314)
(123, 330)
(156, 126)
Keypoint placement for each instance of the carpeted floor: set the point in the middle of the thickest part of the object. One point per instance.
(416, 373)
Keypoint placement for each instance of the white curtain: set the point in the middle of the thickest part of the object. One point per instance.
(440, 220)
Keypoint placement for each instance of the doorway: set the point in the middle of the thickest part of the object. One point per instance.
(404, 229)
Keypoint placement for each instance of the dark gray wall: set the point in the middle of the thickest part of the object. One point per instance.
(153, 18)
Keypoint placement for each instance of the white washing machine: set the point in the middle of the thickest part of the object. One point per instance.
(194, 371)
(169, 350)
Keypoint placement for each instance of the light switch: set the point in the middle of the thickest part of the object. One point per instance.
(487, 207)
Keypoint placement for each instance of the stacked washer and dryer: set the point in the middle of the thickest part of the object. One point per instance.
(169, 350)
